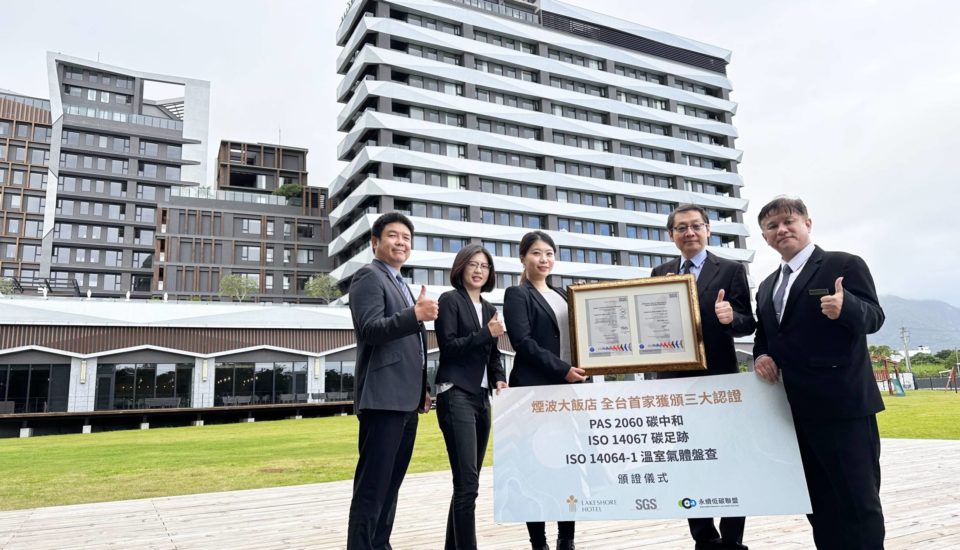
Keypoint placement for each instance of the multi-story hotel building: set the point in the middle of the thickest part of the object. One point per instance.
(104, 191)
(243, 228)
(121, 143)
(24, 173)
(483, 120)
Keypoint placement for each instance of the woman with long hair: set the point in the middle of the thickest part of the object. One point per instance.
(467, 329)
(536, 317)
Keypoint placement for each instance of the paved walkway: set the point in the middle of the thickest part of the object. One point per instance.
(921, 500)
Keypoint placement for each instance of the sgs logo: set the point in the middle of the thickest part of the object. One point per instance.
(687, 503)
(646, 503)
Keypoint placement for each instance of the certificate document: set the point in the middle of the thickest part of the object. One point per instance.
(637, 325)
(609, 326)
(709, 446)
(659, 323)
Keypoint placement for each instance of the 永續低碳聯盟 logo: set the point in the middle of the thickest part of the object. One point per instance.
(687, 503)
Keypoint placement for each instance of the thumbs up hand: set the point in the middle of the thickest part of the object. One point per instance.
(723, 309)
(426, 308)
(831, 305)
(495, 326)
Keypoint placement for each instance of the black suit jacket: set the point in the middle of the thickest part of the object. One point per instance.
(466, 346)
(391, 372)
(825, 364)
(535, 336)
(715, 274)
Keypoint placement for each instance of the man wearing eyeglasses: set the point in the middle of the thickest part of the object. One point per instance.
(725, 313)
(814, 314)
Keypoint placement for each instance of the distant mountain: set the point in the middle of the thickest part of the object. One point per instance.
(931, 323)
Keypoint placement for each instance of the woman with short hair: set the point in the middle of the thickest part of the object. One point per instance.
(467, 330)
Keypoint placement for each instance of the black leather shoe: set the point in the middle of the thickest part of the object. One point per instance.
(565, 544)
(544, 547)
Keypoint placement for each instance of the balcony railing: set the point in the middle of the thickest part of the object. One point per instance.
(235, 196)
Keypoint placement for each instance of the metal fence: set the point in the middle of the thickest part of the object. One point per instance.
(931, 383)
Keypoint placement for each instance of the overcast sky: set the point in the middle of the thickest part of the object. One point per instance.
(851, 105)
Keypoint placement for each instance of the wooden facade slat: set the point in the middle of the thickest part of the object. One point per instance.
(201, 340)
(14, 110)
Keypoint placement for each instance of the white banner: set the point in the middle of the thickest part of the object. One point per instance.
(710, 446)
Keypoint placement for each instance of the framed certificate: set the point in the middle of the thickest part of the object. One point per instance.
(638, 325)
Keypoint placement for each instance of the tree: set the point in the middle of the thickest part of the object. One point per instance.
(947, 356)
(882, 351)
(322, 286)
(289, 190)
(924, 359)
(6, 285)
(237, 286)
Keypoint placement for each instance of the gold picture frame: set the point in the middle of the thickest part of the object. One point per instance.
(636, 325)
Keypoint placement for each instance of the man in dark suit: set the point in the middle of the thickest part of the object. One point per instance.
(391, 380)
(725, 313)
(814, 316)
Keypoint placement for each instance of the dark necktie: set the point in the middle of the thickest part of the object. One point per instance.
(687, 265)
(407, 299)
(778, 296)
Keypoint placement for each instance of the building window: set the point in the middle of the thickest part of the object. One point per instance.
(511, 219)
(513, 189)
(578, 86)
(583, 142)
(704, 162)
(503, 41)
(642, 100)
(260, 383)
(568, 111)
(509, 158)
(250, 227)
(582, 197)
(640, 151)
(575, 59)
(427, 83)
(588, 227)
(427, 52)
(639, 74)
(580, 169)
(248, 253)
(502, 69)
(143, 385)
(700, 137)
(510, 100)
(35, 387)
(638, 125)
(507, 129)
(698, 112)
(653, 180)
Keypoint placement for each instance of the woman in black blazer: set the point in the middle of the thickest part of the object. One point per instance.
(467, 329)
(535, 312)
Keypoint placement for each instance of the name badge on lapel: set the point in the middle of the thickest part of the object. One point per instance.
(819, 292)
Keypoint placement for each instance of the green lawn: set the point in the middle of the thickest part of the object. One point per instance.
(924, 414)
(70, 469)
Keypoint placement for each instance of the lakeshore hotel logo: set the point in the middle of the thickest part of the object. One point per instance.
(588, 505)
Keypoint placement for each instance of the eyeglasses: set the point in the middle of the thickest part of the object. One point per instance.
(697, 227)
(473, 266)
